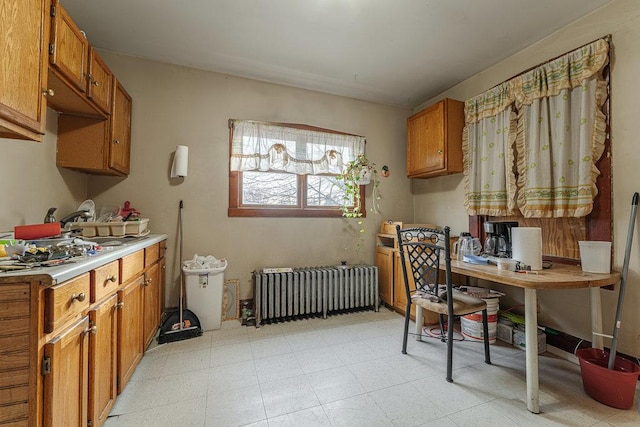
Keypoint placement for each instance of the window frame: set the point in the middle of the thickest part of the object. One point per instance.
(237, 209)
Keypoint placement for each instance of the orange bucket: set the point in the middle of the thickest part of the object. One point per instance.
(614, 387)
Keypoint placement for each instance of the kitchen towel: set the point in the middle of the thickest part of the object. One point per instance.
(180, 162)
(526, 246)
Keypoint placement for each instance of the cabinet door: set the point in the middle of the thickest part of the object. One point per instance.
(66, 371)
(151, 303)
(434, 140)
(384, 262)
(103, 360)
(130, 330)
(69, 50)
(120, 143)
(99, 82)
(24, 76)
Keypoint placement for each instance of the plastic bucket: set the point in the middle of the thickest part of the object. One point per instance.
(595, 257)
(471, 324)
(613, 387)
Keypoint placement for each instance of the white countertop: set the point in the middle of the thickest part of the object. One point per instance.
(82, 265)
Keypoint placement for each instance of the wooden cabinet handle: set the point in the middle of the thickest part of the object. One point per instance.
(80, 297)
(48, 92)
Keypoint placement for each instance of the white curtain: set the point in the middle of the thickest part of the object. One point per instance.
(488, 140)
(258, 146)
(561, 133)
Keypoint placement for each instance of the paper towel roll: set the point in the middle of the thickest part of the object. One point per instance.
(526, 246)
(180, 161)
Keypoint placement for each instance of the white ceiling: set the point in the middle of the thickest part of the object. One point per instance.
(400, 52)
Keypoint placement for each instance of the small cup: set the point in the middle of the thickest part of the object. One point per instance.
(504, 264)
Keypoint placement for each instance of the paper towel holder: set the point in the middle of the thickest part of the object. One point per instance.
(180, 162)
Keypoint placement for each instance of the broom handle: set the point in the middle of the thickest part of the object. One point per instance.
(623, 280)
(181, 272)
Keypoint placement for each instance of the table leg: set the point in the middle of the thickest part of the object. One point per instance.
(531, 349)
(596, 318)
(418, 323)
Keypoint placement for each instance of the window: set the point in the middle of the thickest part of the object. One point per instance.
(287, 170)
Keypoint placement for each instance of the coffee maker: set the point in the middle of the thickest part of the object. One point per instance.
(498, 241)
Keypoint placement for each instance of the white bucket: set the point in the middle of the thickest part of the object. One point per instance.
(471, 324)
(595, 257)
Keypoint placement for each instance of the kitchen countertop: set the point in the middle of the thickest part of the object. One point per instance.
(77, 266)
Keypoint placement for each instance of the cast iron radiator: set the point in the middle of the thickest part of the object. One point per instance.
(314, 291)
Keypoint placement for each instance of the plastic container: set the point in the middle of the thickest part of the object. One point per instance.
(595, 257)
(613, 387)
(204, 288)
(471, 324)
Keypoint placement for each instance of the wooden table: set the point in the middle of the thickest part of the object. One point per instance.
(559, 277)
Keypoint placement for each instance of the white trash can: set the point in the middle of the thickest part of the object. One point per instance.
(204, 282)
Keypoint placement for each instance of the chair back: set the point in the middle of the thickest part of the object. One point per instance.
(421, 251)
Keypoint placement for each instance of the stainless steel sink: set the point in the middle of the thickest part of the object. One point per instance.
(115, 241)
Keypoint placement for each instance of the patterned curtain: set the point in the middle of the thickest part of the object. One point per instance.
(259, 146)
(561, 133)
(551, 118)
(487, 141)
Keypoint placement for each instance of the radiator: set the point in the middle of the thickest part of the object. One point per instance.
(314, 291)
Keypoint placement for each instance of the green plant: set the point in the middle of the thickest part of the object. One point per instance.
(358, 172)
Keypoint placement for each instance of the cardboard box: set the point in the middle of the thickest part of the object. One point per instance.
(520, 341)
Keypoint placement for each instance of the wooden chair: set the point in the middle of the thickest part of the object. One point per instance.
(421, 254)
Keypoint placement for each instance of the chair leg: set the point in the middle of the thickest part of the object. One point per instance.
(485, 333)
(407, 315)
(419, 322)
(442, 333)
(450, 348)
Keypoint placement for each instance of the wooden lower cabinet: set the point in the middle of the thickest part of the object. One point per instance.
(384, 262)
(151, 292)
(130, 327)
(103, 360)
(66, 376)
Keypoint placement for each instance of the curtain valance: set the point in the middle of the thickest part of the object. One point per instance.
(259, 146)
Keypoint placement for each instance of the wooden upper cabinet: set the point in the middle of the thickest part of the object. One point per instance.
(70, 88)
(68, 48)
(434, 140)
(98, 146)
(99, 82)
(23, 49)
(120, 151)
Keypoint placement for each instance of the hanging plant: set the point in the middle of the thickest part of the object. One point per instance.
(357, 172)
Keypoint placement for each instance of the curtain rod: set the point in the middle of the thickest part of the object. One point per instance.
(296, 126)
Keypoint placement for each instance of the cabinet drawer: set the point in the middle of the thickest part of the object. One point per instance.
(131, 265)
(63, 301)
(151, 254)
(104, 281)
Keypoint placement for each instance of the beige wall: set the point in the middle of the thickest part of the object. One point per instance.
(177, 105)
(441, 200)
(31, 183)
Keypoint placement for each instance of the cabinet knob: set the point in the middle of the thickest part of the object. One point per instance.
(111, 279)
(80, 297)
(120, 304)
(92, 330)
(439, 151)
(95, 83)
(148, 281)
(116, 141)
(48, 92)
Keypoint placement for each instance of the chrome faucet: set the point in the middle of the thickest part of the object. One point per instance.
(74, 216)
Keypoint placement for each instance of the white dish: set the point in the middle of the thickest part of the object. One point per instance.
(88, 205)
